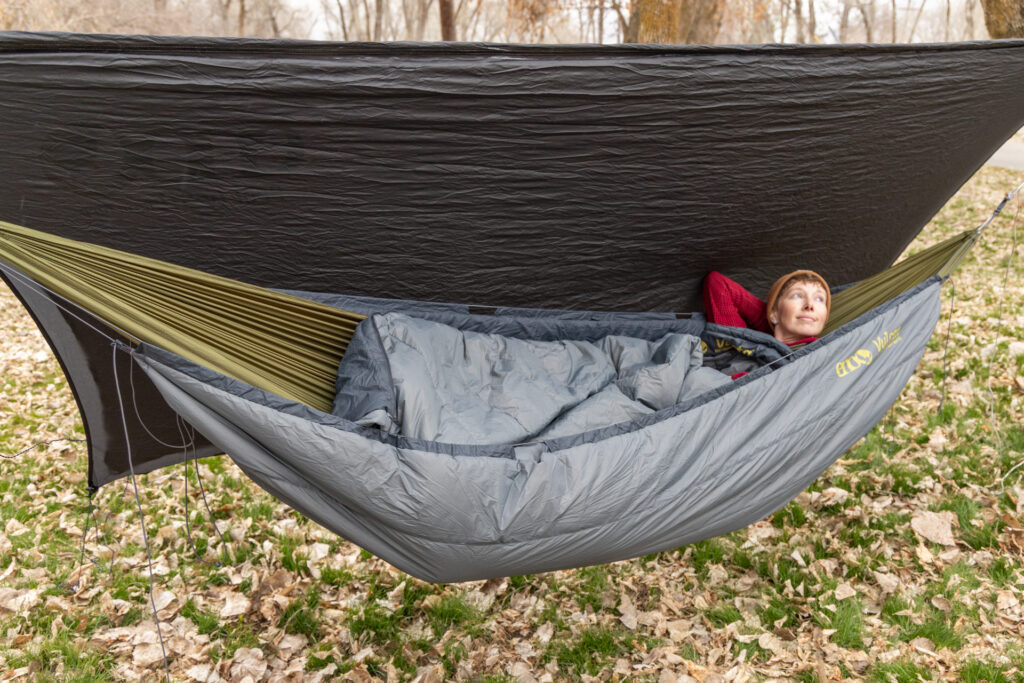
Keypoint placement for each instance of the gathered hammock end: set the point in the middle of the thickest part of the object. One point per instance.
(285, 344)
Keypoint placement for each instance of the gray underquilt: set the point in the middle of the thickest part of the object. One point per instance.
(459, 386)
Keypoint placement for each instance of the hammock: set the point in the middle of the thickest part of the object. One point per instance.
(593, 180)
(254, 371)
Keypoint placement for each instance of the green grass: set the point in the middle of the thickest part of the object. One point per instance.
(451, 610)
(979, 671)
(592, 582)
(967, 511)
(723, 615)
(301, 615)
(898, 672)
(778, 610)
(591, 649)
(206, 622)
(937, 629)
(336, 577)
(848, 622)
(1002, 571)
(792, 515)
(61, 654)
(704, 553)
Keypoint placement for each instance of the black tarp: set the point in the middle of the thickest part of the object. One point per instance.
(585, 177)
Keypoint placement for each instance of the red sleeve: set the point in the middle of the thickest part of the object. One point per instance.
(726, 302)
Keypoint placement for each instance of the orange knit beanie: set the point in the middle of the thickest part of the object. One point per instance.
(797, 275)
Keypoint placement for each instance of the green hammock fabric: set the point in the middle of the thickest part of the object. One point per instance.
(278, 342)
(285, 344)
(939, 259)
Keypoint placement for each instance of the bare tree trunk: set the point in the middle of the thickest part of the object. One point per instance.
(378, 15)
(844, 21)
(369, 28)
(630, 26)
(421, 19)
(673, 21)
(783, 20)
(473, 23)
(1004, 18)
(600, 21)
(798, 11)
(812, 23)
(917, 18)
(272, 18)
(949, 8)
(867, 18)
(969, 19)
(241, 17)
(701, 21)
(447, 20)
(341, 20)
(892, 22)
(407, 16)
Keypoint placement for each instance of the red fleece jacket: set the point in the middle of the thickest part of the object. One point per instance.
(727, 302)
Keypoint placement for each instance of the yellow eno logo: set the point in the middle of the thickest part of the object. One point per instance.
(726, 345)
(864, 357)
(855, 362)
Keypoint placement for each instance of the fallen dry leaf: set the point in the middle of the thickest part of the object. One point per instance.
(887, 582)
(923, 644)
(844, 590)
(235, 604)
(18, 601)
(1006, 600)
(628, 611)
(936, 527)
(248, 662)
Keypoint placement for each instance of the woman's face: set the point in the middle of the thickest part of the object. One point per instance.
(800, 312)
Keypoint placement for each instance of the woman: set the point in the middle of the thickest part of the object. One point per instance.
(795, 312)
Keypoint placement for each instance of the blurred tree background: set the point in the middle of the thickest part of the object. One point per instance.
(551, 21)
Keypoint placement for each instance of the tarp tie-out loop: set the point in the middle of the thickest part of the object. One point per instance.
(209, 513)
(73, 587)
(999, 316)
(142, 423)
(945, 346)
(25, 450)
(90, 518)
(119, 345)
(188, 440)
(1006, 200)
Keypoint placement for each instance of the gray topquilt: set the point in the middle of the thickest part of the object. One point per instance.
(463, 386)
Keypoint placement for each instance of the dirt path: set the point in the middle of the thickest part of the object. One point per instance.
(1010, 155)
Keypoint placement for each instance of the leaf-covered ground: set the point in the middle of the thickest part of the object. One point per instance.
(903, 562)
